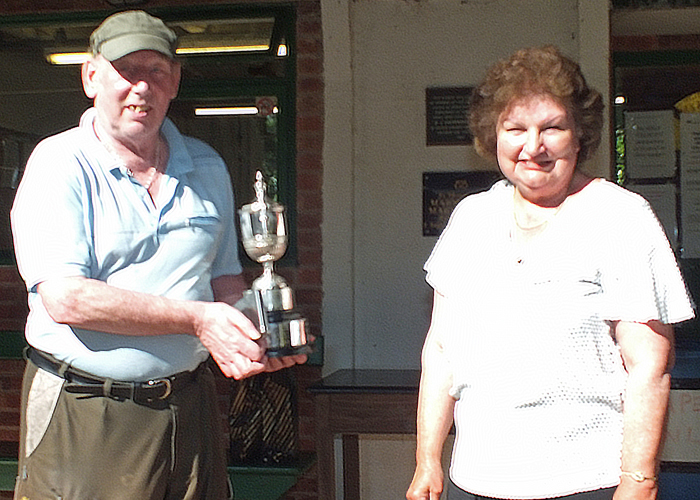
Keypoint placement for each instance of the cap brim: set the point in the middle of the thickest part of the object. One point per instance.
(119, 47)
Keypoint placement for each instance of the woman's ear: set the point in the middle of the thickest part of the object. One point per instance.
(87, 73)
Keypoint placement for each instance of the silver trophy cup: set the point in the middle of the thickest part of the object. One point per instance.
(270, 301)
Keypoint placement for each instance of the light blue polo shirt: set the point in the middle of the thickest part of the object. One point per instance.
(78, 213)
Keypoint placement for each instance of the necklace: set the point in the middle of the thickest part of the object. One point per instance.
(535, 217)
(523, 235)
(155, 168)
(532, 227)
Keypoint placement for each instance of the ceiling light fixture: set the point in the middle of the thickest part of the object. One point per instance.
(228, 111)
(64, 58)
(221, 49)
(233, 110)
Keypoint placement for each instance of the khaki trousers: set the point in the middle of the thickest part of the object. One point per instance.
(77, 447)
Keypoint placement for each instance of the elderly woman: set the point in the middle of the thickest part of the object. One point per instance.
(551, 342)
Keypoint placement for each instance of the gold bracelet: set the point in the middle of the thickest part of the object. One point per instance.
(639, 476)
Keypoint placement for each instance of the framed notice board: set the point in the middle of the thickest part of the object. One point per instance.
(447, 116)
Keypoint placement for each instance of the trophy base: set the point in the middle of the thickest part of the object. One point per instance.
(283, 331)
(289, 351)
(285, 334)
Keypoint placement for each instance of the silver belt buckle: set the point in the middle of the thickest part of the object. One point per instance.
(166, 382)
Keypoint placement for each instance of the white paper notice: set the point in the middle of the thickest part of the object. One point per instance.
(690, 184)
(650, 146)
(662, 198)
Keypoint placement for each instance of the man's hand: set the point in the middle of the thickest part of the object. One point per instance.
(236, 345)
(231, 339)
(274, 364)
(229, 289)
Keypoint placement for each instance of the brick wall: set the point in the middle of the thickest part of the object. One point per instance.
(305, 277)
(13, 312)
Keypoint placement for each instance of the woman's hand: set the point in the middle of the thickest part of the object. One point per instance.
(629, 489)
(435, 410)
(427, 484)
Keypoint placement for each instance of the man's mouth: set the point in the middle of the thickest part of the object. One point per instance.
(138, 109)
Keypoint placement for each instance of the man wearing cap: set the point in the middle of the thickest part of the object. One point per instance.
(124, 233)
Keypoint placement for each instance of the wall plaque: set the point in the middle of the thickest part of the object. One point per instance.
(447, 116)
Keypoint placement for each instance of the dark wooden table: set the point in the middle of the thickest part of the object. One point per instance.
(353, 402)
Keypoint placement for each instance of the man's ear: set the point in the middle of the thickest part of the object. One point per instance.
(177, 75)
(87, 73)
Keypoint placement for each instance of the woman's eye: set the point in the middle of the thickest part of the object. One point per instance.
(558, 126)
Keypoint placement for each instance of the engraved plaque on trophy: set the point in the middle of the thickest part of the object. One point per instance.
(264, 238)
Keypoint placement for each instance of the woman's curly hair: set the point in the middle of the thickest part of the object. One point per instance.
(531, 72)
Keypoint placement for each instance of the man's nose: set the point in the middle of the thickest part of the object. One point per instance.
(140, 85)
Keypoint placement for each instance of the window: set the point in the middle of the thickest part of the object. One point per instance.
(233, 58)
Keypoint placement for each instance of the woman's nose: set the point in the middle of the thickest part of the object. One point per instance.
(533, 143)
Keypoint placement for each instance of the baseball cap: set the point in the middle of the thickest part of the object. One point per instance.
(126, 32)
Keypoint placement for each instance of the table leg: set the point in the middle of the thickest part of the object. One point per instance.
(351, 466)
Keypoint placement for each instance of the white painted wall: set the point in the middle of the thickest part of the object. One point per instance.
(380, 57)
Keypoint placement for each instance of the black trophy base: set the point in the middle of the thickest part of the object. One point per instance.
(288, 351)
(285, 334)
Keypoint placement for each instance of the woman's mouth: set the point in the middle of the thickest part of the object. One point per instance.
(536, 165)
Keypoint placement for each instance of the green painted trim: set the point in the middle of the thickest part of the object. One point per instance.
(12, 344)
(250, 483)
(268, 482)
(656, 58)
(8, 473)
(316, 357)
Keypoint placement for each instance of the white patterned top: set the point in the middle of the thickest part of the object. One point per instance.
(537, 373)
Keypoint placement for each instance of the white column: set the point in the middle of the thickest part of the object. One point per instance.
(338, 188)
(594, 58)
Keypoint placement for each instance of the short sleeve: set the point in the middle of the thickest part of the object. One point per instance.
(48, 216)
(439, 265)
(475, 226)
(642, 281)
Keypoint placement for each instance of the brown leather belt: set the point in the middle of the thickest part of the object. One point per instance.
(81, 382)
